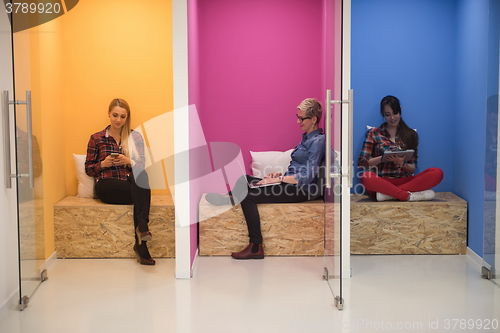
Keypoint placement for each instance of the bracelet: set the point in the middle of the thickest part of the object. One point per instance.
(281, 178)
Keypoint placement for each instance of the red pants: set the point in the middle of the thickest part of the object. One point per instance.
(399, 187)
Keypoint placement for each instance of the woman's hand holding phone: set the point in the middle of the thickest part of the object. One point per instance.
(108, 161)
(115, 159)
(121, 159)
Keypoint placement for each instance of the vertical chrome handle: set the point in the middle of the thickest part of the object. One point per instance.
(349, 116)
(351, 134)
(328, 134)
(6, 138)
(29, 130)
(29, 118)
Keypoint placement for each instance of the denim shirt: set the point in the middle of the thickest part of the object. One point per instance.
(306, 158)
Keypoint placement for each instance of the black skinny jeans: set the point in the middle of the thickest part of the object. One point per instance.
(125, 192)
(280, 193)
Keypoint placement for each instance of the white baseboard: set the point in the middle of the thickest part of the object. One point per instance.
(12, 304)
(49, 262)
(474, 260)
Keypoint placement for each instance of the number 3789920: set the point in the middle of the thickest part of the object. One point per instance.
(40, 8)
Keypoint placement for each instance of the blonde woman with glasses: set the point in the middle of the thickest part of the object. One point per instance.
(299, 183)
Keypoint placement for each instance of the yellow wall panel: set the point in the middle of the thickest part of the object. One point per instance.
(48, 103)
(75, 65)
(38, 68)
(112, 49)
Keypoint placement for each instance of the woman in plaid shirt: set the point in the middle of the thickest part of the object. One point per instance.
(395, 178)
(115, 157)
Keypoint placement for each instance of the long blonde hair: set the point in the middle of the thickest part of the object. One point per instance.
(126, 141)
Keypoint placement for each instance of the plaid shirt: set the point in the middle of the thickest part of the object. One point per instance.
(101, 144)
(377, 141)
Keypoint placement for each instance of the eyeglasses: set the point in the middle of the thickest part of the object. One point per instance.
(302, 118)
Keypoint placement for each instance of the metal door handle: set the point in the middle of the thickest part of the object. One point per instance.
(328, 134)
(6, 122)
(6, 138)
(29, 119)
(29, 130)
(350, 117)
(350, 113)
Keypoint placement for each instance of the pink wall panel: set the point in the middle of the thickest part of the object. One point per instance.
(194, 135)
(333, 61)
(258, 60)
(251, 62)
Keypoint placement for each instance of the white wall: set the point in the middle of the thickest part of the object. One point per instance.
(183, 262)
(8, 224)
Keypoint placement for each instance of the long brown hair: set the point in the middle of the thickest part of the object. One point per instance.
(405, 133)
(128, 148)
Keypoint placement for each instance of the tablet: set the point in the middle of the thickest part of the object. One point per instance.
(408, 154)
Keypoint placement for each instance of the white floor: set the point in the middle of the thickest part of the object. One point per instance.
(277, 294)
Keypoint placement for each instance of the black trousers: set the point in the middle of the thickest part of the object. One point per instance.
(280, 193)
(126, 192)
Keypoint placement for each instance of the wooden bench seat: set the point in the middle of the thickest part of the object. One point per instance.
(391, 227)
(287, 229)
(89, 228)
(395, 227)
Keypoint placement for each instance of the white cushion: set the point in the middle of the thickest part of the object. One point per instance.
(85, 183)
(265, 162)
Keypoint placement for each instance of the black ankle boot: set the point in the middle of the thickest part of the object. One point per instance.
(142, 254)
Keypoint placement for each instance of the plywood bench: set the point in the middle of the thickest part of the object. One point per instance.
(88, 228)
(394, 227)
(288, 229)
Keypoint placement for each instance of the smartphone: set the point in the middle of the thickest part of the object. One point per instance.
(114, 154)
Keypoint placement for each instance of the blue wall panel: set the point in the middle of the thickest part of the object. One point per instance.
(406, 48)
(469, 150)
(432, 55)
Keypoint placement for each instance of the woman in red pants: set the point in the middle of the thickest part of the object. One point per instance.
(394, 179)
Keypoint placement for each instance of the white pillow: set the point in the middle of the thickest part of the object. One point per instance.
(265, 162)
(85, 183)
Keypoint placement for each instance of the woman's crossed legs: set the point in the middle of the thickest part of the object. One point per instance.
(399, 188)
